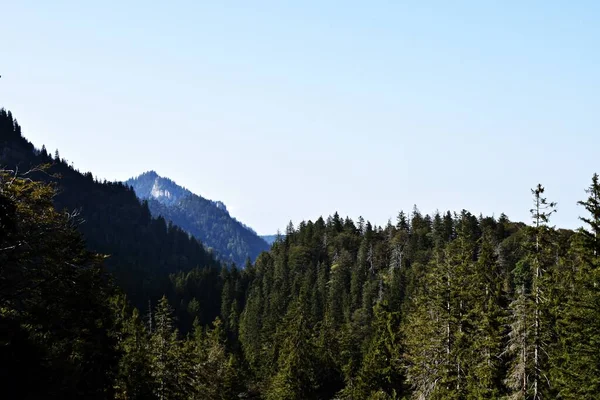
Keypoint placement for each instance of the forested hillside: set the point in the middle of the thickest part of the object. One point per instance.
(447, 306)
(442, 306)
(56, 327)
(207, 220)
(143, 251)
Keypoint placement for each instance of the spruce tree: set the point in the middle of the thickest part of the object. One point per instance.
(296, 376)
(530, 331)
(134, 380)
(381, 372)
(591, 235)
(219, 367)
(166, 354)
(576, 358)
(486, 319)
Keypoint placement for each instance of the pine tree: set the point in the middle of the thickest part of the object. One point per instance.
(213, 369)
(520, 346)
(591, 236)
(133, 379)
(195, 361)
(430, 332)
(530, 331)
(166, 354)
(576, 358)
(444, 335)
(296, 377)
(226, 297)
(381, 372)
(56, 321)
(486, 319)
(402, 222)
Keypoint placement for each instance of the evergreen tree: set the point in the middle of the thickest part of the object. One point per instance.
(297, 371)
(55, 318)
(166, 354)
(133, 379)
(576, 358)
(486, 318)
(381, 372)
(442, 306)
(591, 235)
(520, 346)
(213, 370)
(529, 331)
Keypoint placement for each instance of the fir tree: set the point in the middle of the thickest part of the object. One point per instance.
(133, 379)
(576, 358)
(529, 332)
(381, 372)
(166, 354)
(297, 373)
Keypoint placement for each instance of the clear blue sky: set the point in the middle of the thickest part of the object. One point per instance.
(291, 110)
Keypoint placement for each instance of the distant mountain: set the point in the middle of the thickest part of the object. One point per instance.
(143, 252)
(207, 220)
(269, 238)
(151, 186)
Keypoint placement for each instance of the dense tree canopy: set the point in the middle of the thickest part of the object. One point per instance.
(56, 327)
(442, 306)
(143, 251)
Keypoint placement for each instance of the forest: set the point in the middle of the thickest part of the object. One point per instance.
(444, 306)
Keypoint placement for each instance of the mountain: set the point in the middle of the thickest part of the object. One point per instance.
(207, 220)
(442, 306)
(270, 239)
(151, 186)
(143, 252)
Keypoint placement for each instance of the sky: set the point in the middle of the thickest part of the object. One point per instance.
(292, 110)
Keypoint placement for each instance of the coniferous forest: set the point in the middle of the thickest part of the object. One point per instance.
(99, 300)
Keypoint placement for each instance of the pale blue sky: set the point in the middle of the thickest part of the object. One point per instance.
(291, 110)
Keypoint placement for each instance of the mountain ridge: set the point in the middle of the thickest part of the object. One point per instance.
(143, 250)
(270, 239)
(207, 220)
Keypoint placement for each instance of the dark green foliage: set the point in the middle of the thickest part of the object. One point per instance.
(143, 250)
(55, 320)
(296, 376)
(591, 235)
(166, 354)
(381, 371)
(575, 357)
(133, 379)
(449, 306)
(531, 320)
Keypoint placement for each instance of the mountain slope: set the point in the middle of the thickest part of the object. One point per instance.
(207, 220)
(143, 251)
(270, 239)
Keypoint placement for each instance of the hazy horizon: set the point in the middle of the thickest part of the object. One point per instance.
(290, 112)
